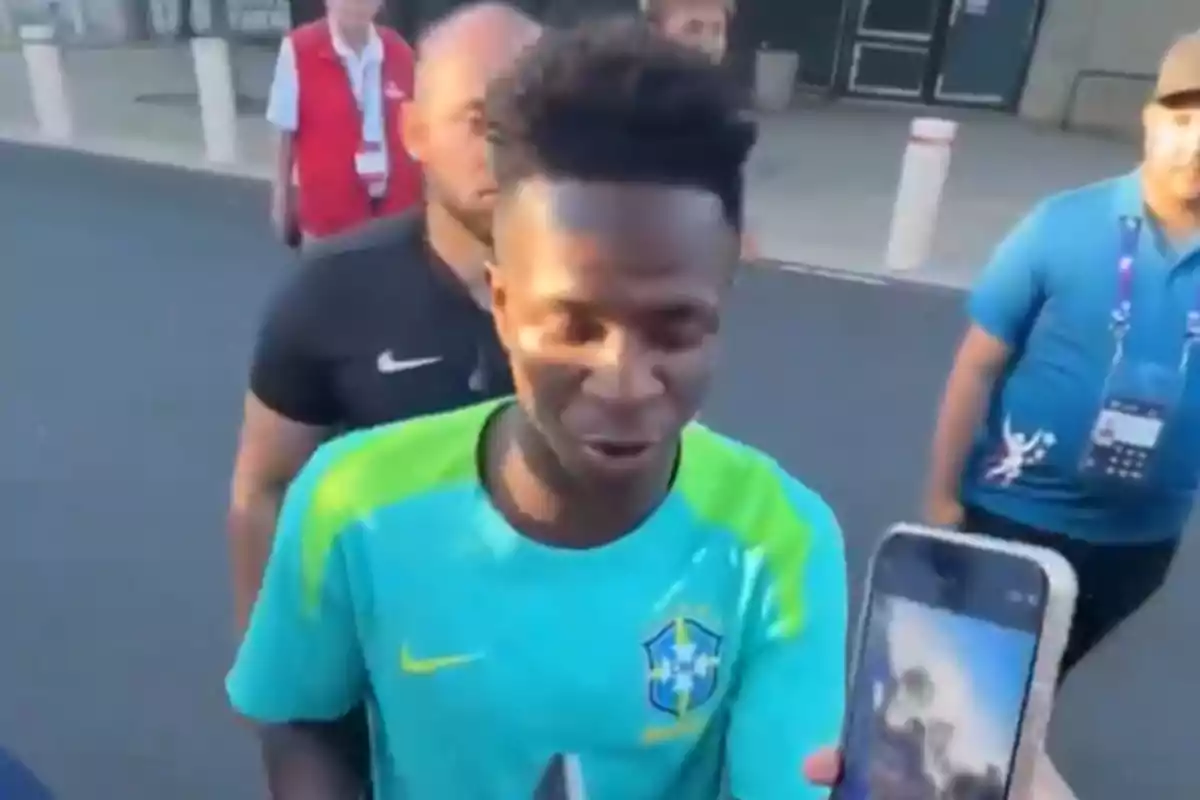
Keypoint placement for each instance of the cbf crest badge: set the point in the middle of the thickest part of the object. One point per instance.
(683, 660)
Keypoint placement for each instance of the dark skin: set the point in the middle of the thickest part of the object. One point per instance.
(304, 761)
(607, 297)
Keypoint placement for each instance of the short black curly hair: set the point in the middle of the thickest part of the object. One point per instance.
(613, 100)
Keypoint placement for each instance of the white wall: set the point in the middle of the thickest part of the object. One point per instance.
(1116, 35)
(1132, 36)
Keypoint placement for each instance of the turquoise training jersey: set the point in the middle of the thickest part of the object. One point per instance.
(702, 656)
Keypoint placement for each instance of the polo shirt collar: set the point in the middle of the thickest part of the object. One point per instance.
(1129, 201)
(373, 52)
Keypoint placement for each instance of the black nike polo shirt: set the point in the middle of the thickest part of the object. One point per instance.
(374, 328)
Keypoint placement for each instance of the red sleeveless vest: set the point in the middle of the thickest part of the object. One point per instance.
(332, 198)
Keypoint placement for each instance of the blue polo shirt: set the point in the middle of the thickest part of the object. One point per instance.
(1049, 293)
(17, 782)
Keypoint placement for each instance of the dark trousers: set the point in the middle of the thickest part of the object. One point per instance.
(353, 735)
(1115, 580)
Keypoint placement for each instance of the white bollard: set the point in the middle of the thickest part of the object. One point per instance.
(47, 84)
(922, 178)
(218, 100)
(7, 24)
(78, 18)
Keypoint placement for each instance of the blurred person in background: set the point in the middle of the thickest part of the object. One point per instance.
(388, 321)
(702, 25)
(1071, 417)
(1065, 423)
(336, 99)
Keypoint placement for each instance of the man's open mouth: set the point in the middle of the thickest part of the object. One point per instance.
(618, 450)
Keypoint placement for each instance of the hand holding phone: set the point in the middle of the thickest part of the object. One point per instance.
(945, 512)
(956, 668)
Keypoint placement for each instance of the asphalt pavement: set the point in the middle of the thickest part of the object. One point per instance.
(128, 300)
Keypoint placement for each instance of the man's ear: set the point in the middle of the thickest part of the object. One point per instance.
(413, 130)
(498, 295)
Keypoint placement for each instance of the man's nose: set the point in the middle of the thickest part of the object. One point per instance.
(624, 371)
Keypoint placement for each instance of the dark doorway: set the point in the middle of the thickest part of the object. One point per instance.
(303, 11)
(811, 28)
(953, 52)
(410, 17)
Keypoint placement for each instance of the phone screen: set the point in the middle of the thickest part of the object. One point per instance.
(946, 659)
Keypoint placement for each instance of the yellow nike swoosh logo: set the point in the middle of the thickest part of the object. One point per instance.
(428, 666)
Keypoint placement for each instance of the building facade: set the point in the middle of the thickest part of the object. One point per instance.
(1078, 63)
(1085, 62)
(1096, 60)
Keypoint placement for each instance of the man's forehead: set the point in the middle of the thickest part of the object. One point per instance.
(660, 224)
(505, 21)
(574, 206)
(466, 70)
(587, 205)
(700, 13)
(463, 53)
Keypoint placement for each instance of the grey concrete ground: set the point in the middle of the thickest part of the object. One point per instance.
(128, 299)
(822, 179)
(115, 95)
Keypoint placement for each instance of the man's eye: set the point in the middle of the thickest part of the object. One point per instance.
(577, 330)
(680, 334)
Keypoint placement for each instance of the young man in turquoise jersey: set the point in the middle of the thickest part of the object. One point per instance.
(579, 570)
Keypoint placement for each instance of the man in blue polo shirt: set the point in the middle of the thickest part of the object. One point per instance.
(1071, 418)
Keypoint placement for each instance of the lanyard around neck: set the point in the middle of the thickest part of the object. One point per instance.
(1131, 236)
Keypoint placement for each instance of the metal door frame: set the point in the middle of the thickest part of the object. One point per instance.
(853, 85)
(859, 38)
(852, 39)
(966, 98)
(997, 101)
(861, 31)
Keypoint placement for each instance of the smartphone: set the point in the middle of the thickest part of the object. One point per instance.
(956, 667)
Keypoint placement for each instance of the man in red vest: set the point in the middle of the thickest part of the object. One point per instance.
(336, 100)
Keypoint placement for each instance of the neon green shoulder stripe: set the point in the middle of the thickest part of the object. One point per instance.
(372, 469)
(735, 487)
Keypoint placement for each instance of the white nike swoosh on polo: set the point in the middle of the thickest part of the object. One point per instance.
(388, 363)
